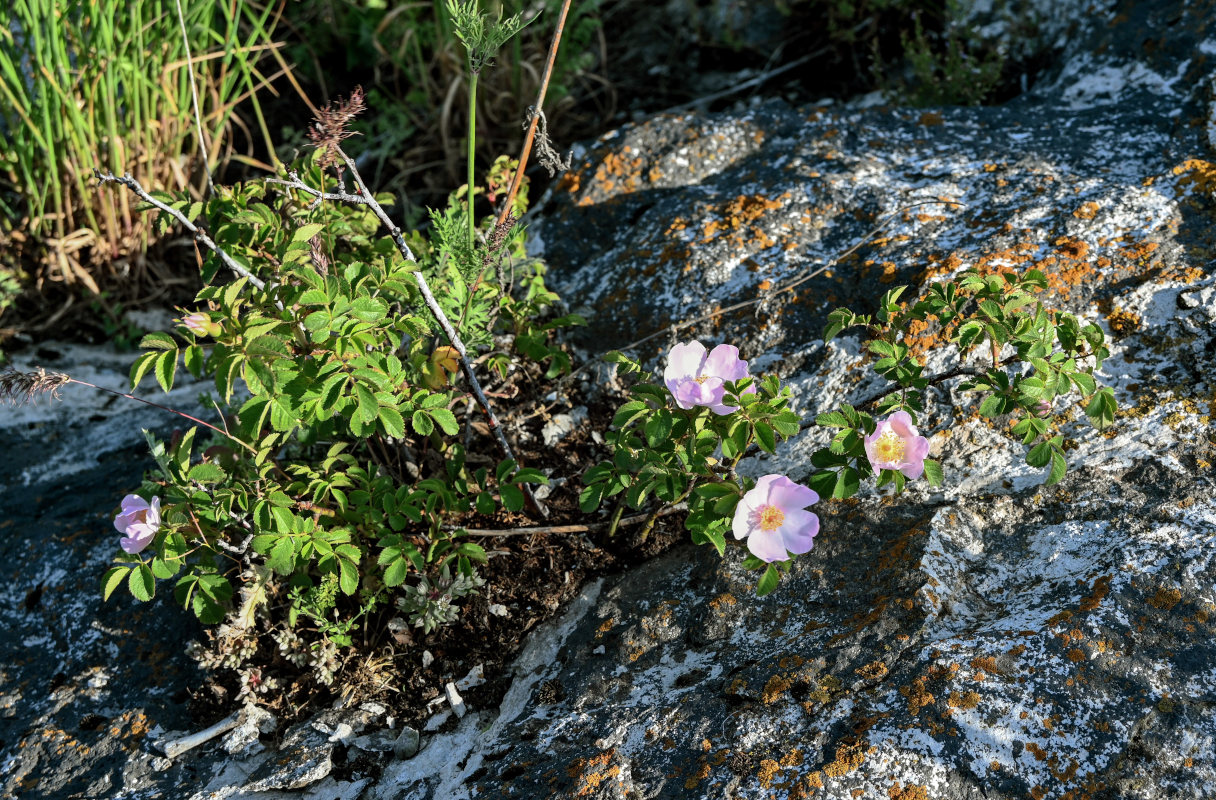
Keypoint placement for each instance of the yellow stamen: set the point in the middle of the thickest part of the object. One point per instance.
(890, 447)
(771, 518)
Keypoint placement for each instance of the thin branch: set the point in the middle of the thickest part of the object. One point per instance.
(200, 235)
(296, 183)
(591, 526)
(538, 107)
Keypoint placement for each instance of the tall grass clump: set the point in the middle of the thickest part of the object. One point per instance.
(106, 82)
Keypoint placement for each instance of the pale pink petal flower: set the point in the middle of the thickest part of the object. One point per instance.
(139, 521)
(697, 378)
(772, 519)
(896, 444)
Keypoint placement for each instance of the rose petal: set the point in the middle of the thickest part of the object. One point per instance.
(724, 362)
(798, 531)
(767, 546)
(685, 361)
(789, 496)
(901, 423)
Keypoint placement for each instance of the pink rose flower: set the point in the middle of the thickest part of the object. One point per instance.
(895, 444)
(201, 325)
(139, 521)
(772, 518)
(697, 378)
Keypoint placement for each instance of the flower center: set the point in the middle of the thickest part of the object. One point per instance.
(890, 447)
(701, 379)
(771, 518)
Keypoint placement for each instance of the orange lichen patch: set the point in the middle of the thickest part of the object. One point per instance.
(875, 670)
(1100, 589)
(616, 174)
(1086, 211)
(791, 662)
(931, 118)
(724, 600)
(1038, 793)
(1071, 248)
(738, 218)
(792, 759)
(1123, 322)
(590, 772)
(849, 756)
(765, 285)
(918, 695)
(1198, 173)
(701, 774)
(1076, 655)
(990, 168)
(966, 700)
(982, 664)
(604, 627)
(1166, 599)
(910, 792)
(768, 771)
(1039, 753)
(814, 780)
(889, 272)
(776, 686)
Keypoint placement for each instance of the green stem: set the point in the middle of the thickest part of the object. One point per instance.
(472, 147)
(616, 518)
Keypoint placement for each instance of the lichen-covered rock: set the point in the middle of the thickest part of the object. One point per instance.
(993, 637)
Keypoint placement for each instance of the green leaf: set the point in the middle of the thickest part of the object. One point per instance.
(716, 489)
(166, 369)
(445, 419)
(768, 582)
(992, 406)
(368, 309)
(348, 576)
(393, 422)
(590, 497)
(421, 423)
(110, 581)
(1085, 382)
(1039, 455)
(282, 557)
(306, 232)
(396, 573)
(140, 368)
(1059, 466)
(158, 341)
(765, 437)
(933, 472)
(832, 419)
(658, 428)
(206, 472)
(369, 409)
(512, 497)
(142, 583)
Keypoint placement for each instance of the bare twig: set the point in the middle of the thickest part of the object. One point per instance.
(200, 235)
(538, 108)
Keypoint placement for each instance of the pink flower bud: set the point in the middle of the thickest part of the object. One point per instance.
(200, 324)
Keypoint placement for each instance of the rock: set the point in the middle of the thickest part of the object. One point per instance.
(407, 743)
(993, 636)
(561, 425)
